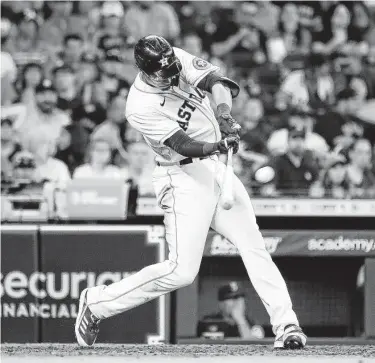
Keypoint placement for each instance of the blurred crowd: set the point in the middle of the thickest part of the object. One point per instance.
(306, 70)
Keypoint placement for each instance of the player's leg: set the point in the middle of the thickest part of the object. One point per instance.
(239, 226)
(188, 206)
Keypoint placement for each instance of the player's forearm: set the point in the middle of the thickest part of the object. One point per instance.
(222, 95)
(186, 146)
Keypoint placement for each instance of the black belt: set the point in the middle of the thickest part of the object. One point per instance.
(183, 161)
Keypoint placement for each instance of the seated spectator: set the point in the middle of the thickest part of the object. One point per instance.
(255, 129)
(278, 141)
(313, 86)
(59, 24)
(139, 167)
(332, 183)
(113, 130)
(294, 37)
(146, 17)
(359, 175)
(48, 168)
(335, 36)
(359, 30)
(41, 119)
(32, 75)
(9, 148)
(25, 45)
(99, 163)
(73, 49)
(69, 100)
(8, 66)
(111, 82)
(111, 34)
(240, 39)
(232, 320)
(65, 150)
(296, 170)
(339, 126)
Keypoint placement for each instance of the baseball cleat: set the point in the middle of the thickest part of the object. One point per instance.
(291, 337)
(86, 326)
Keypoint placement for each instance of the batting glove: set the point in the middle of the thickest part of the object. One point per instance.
(231, 141)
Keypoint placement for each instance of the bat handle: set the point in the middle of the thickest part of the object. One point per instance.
(230, 156)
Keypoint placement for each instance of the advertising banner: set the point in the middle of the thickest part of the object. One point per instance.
(40, 301)
(74, 257)
(303, 243)
(97, 199)
(19, 308)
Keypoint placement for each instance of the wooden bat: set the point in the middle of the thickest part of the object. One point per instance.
(227, 199)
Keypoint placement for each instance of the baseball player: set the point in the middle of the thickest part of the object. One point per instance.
(168, 104)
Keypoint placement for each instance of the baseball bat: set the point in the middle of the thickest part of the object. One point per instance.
(227, 199)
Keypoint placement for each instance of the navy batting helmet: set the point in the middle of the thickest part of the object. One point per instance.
(155, 57)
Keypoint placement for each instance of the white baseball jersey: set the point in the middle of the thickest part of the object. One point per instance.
(158, 114)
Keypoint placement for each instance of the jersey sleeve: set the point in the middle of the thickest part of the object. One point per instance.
(194, 69)
(153, 126)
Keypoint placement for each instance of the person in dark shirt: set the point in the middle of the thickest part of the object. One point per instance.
(232, 320)
(296, 170)
(240, 38)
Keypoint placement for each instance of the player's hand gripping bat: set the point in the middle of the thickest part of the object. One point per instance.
(227, 199)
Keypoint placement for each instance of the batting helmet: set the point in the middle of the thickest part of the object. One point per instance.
(155, 57)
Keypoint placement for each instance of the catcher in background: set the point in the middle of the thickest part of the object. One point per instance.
(231, 321)
(169, 106)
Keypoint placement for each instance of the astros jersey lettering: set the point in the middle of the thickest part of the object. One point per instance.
(158, 114)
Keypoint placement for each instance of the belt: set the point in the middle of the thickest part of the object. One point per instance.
(182, 162)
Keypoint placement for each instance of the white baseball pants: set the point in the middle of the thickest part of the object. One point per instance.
(189, 196)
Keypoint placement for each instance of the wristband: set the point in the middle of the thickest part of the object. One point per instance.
(209, 148)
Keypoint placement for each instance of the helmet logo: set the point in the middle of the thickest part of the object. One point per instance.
(164, 62)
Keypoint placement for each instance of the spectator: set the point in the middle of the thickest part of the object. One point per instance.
(295, 37)
(65, 151)
(32, 75)
(99, 162)
(8, 66)
(59, 24)
(73, 49)
(146, 17)
(360, 28)
(39, 119)
(232, 320)
(111, 83)
(245, 44)
(255, 129)
(68, 100)
(111, 34)
(9, 148)
(25, 45)
(335, 37)
(113, 130)
(48, 167)
(278, 141)
(139, 167)
(359, 175)
(332, 183)
(313, 86)
(296, 170)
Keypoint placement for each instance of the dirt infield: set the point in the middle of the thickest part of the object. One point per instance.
(189, 351)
